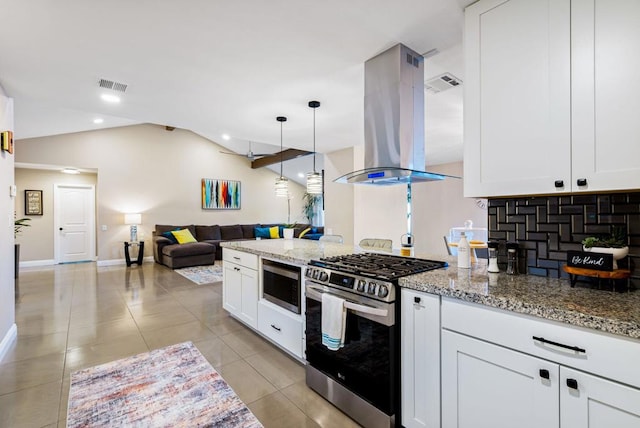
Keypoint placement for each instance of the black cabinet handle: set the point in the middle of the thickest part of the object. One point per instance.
(572, 383)
(581, 181)
(60, 228)
(417, 300)
(558, 184)
(544, 373)
(560, 345)
(236, 269)
(276, 328)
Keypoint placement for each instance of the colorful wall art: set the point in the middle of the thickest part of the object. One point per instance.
(220, 194)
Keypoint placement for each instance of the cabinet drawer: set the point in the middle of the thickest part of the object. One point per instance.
(614, 357)
(283, 329)
(241, 258)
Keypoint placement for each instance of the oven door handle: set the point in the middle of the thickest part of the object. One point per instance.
(350, 304)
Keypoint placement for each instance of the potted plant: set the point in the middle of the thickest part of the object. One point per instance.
(289, 228)
(18, 224)
(310, 207)
(614, 244)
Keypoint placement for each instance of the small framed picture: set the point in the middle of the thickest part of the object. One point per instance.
(33, 202)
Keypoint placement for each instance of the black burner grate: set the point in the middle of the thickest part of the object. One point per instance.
(375, 265)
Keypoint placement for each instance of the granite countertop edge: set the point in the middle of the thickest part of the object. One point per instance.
(559, 311)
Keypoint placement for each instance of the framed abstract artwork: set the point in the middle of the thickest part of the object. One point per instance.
(220, 194)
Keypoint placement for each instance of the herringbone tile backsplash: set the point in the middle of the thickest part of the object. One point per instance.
(547, 227)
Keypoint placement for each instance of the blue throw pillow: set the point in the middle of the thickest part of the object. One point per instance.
(170, 236)
(280, 230)
(262, 232)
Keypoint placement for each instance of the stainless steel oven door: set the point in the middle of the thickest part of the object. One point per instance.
(371, 309)
(368, 366)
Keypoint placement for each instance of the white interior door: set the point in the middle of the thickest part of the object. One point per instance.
(74, 226)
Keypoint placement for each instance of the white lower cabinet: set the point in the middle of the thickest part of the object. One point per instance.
(281, 326)
(240, 291)
(593, 402)
(420, 365)
(501, 369)
(488, 386)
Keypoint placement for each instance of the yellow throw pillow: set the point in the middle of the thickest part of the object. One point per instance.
(183, 236)
(274, 232)
(304, 232)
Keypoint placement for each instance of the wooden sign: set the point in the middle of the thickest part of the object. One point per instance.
(589, 260)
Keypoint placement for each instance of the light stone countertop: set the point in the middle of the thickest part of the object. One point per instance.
(548, 298)
(298, 251)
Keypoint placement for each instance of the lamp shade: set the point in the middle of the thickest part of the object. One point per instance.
(314, 183)
(133, 219)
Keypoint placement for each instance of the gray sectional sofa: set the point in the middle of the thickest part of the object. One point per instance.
(207, 249)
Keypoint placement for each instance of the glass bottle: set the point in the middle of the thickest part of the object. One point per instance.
(464, 252)
(493, 257)
(512, 258)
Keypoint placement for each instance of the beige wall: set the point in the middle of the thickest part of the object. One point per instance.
(146, 169)
(360, 211)
(7, 282)
(440, 206)
(36, 241)
(339, 201)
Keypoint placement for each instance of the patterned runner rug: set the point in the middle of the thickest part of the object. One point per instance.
(169, 387)
(202, 274)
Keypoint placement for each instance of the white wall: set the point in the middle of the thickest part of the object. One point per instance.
(146, 169)
(7, 282)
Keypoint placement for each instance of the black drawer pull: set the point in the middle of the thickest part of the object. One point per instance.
(544, 373)
(558, 184)
(581, 181)
(276, 328)
(416, 300)
(572, 383)
(560, 345)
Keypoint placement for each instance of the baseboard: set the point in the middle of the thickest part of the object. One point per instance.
(119, 262)
(34, 263)
(8, 339)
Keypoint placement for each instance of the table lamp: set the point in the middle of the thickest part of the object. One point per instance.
(134, 220)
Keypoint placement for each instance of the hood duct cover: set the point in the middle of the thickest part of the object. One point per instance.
(393, 120)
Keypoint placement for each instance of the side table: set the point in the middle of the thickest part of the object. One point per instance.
(140, 245)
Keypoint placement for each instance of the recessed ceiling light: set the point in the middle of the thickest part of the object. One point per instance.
(226, 137)
(70, 171)
(301, 175)
(110, 98)
(98, 120)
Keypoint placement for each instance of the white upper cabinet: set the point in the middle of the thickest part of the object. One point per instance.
(549, 97)
(605, 47)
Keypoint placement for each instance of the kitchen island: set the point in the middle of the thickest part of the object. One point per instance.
(298, 251)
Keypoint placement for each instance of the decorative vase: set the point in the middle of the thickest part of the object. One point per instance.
(617, 253)
(287, 233)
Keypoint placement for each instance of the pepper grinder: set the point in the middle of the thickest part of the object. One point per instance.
(512, 258)
(493, 257)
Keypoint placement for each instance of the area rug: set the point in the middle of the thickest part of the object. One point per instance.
(169, 387)
(202, 274)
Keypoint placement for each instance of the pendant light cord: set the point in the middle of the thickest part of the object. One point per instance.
(314, 140)
(280, 149)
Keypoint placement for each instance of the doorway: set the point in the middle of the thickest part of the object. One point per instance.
(74, 223)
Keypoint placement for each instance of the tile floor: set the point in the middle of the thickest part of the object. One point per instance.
(75, 316)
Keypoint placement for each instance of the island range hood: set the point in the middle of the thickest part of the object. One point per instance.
(393, 121)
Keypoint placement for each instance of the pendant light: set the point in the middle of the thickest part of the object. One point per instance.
(314, 179)
(282, 184)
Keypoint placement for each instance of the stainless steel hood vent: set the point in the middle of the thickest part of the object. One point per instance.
(393, 120)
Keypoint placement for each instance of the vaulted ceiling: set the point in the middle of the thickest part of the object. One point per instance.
(223, 67)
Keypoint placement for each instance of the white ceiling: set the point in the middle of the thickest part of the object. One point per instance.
(217, 67)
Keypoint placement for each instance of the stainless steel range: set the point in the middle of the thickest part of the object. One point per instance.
(363, 377)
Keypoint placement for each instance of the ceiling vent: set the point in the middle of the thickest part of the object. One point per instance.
(110, 84)
(442, 83)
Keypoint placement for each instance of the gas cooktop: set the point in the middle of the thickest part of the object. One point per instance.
(376, 265)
